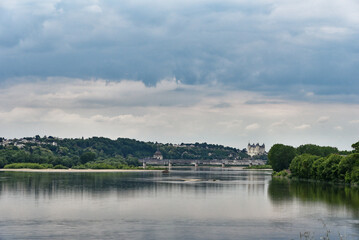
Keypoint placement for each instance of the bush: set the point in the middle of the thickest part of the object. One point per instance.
(99, 166)
(302, 166)
(329, 168)
(60, 167)
(259, 167)
(315, 167)
(354, 175)
(94, 165)
(81, 166)
(346, 165)
(283, 173)
(28, 165)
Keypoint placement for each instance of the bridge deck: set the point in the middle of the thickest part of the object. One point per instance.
(244, 162)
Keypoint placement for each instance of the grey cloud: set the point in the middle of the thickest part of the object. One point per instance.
(222, 105)
(86, 94)
(254, 102)
(264, 46)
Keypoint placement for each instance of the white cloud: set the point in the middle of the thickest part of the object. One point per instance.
(279, 124)
(302, 126)
(252, 126)
(339, 128)
(93, 9)
(20, 115)
(323, 119)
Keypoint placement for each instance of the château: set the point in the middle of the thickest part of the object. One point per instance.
(256, 149)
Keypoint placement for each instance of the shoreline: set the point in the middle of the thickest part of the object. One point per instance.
(49, 170)
(74, 170)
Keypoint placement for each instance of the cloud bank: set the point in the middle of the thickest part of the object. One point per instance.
(303, 50)
(169, 111)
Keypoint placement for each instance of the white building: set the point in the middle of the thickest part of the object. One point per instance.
(158, 155)
(256, 149)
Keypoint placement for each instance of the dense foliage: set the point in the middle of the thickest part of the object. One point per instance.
(99, 152)
(280, 156)
(316, 162)
(316, 150)
(29, 165)
(334, 168)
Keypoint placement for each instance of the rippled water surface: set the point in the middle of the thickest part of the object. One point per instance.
(204, 203)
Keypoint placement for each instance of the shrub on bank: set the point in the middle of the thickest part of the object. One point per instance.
(103, 165)
(60, 167)
(259, 167)
(283, 173)
(28, 165)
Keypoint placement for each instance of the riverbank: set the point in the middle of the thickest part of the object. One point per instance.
(75, 170)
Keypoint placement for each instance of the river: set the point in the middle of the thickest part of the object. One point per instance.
(187, 203)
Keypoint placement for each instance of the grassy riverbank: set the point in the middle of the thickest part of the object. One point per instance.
(75, 170)
(263, 167)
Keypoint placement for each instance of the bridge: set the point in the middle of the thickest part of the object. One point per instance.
(196, 163)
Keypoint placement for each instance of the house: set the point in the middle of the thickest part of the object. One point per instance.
(158, 155)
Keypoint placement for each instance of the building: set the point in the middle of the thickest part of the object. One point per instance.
(158, 155)
(256, 149)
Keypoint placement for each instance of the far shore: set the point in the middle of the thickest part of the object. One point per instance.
(75, 170)
(49, 170)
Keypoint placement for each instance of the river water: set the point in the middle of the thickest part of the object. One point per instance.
(201, 203)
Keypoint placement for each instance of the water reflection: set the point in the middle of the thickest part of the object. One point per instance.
(283, 190)
(131, 183)
(203, 203)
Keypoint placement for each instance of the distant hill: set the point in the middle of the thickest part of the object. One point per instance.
(71, 152)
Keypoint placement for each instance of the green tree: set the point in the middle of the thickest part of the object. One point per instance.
(87, 157)
(356, 147)
(315, 173)
(347, 165)
(280, 156)
(329, 168)
(302, 165)
(316, 150)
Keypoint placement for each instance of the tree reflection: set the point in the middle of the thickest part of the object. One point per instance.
(101, 184)
(284, 190)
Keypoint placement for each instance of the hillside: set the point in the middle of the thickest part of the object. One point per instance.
(72, 152)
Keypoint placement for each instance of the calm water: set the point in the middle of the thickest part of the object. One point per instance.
(185, 204)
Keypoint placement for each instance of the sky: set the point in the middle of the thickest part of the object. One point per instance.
(225, 72)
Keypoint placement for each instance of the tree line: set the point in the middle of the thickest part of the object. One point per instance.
(316, 162)
(100, 152)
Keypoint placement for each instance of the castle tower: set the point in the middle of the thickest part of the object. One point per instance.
(255, 149)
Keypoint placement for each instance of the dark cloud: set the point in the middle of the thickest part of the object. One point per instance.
(275, 47)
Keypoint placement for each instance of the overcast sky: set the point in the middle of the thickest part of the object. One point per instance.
(224, 72)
